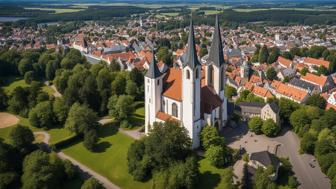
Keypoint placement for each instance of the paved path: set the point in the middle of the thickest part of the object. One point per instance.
(136, 134)
(56, 93)
(285, 145)
(84, 169)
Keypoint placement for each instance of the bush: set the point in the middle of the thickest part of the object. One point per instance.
(29, 77)
(255, 125)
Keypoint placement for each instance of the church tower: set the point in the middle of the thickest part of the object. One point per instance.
(215, 71)
(191, 90)
(153, 90)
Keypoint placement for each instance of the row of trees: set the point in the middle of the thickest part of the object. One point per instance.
(267, 127)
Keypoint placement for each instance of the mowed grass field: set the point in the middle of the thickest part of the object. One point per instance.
(55, 10)
(212, 12)
(110, 159)
(10, 83)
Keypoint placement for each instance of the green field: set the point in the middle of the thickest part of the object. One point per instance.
(110, 158)
(55, 10)
(170, 14)
(211, 176)
(212, 12)
(56, 134)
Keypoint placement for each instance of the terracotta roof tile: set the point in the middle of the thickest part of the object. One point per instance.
(284, 62)
(173, 84)
(317, 62)
(315, 79)
(165, 117)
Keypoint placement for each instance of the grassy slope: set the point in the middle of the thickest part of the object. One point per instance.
(12, 83)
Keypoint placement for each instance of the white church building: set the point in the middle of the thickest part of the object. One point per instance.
(190, 93)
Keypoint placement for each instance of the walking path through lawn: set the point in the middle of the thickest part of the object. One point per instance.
(84, 169)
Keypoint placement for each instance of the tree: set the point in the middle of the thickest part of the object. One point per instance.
(271, 74)
(3, 99)
(24, 66)
(145, 155)
(22, 137)
(42, 115)
(118, 85)
(131, 88)
(215, 154)
(325, 161)
(227, 179)
(332, 171)
(262, 180)
(38, 172)
(121, 107)
(270, 128)
(165, 56)
(81, 119)
(90, 139)
(179, 175)
(324, 146)
(209, 136)
(60, 110)
(229, 91)
(255, 125)
(316, 100)
(18, 101)
(92, 183)
(304, 71)
(10, 166)
(203, 52)
(292, 182)
(307, 143)
(263, 54)
(299, 119)
(29, 77)
(333, 183)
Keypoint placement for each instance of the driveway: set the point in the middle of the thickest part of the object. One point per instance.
(285, 145)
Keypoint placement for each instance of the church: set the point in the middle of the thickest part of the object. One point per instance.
(190, 93)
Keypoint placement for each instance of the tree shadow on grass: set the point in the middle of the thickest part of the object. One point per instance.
(136, 121)
(108, 130)
(102, 146)
(208, 180)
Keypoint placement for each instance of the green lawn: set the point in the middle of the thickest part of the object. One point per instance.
(110, 159)
(48, 90)
(138, 118)
(56, 134)
(210, 176)
(56, 10)
(12, 82)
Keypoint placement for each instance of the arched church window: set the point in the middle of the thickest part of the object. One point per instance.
(158, 82)
(196, 73)
(174, 109)
(188, 74)
(222, 78)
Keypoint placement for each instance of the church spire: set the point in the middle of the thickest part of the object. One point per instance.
(216, 54)
(191, 56)
(153, 71)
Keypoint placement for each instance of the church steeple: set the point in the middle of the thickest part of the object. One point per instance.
(191, 56)
(216, 55)
(153, 71)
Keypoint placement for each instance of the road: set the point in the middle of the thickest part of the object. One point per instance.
(310, 178)
(85, 171)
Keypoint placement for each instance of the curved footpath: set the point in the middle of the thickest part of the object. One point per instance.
(83, 169)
